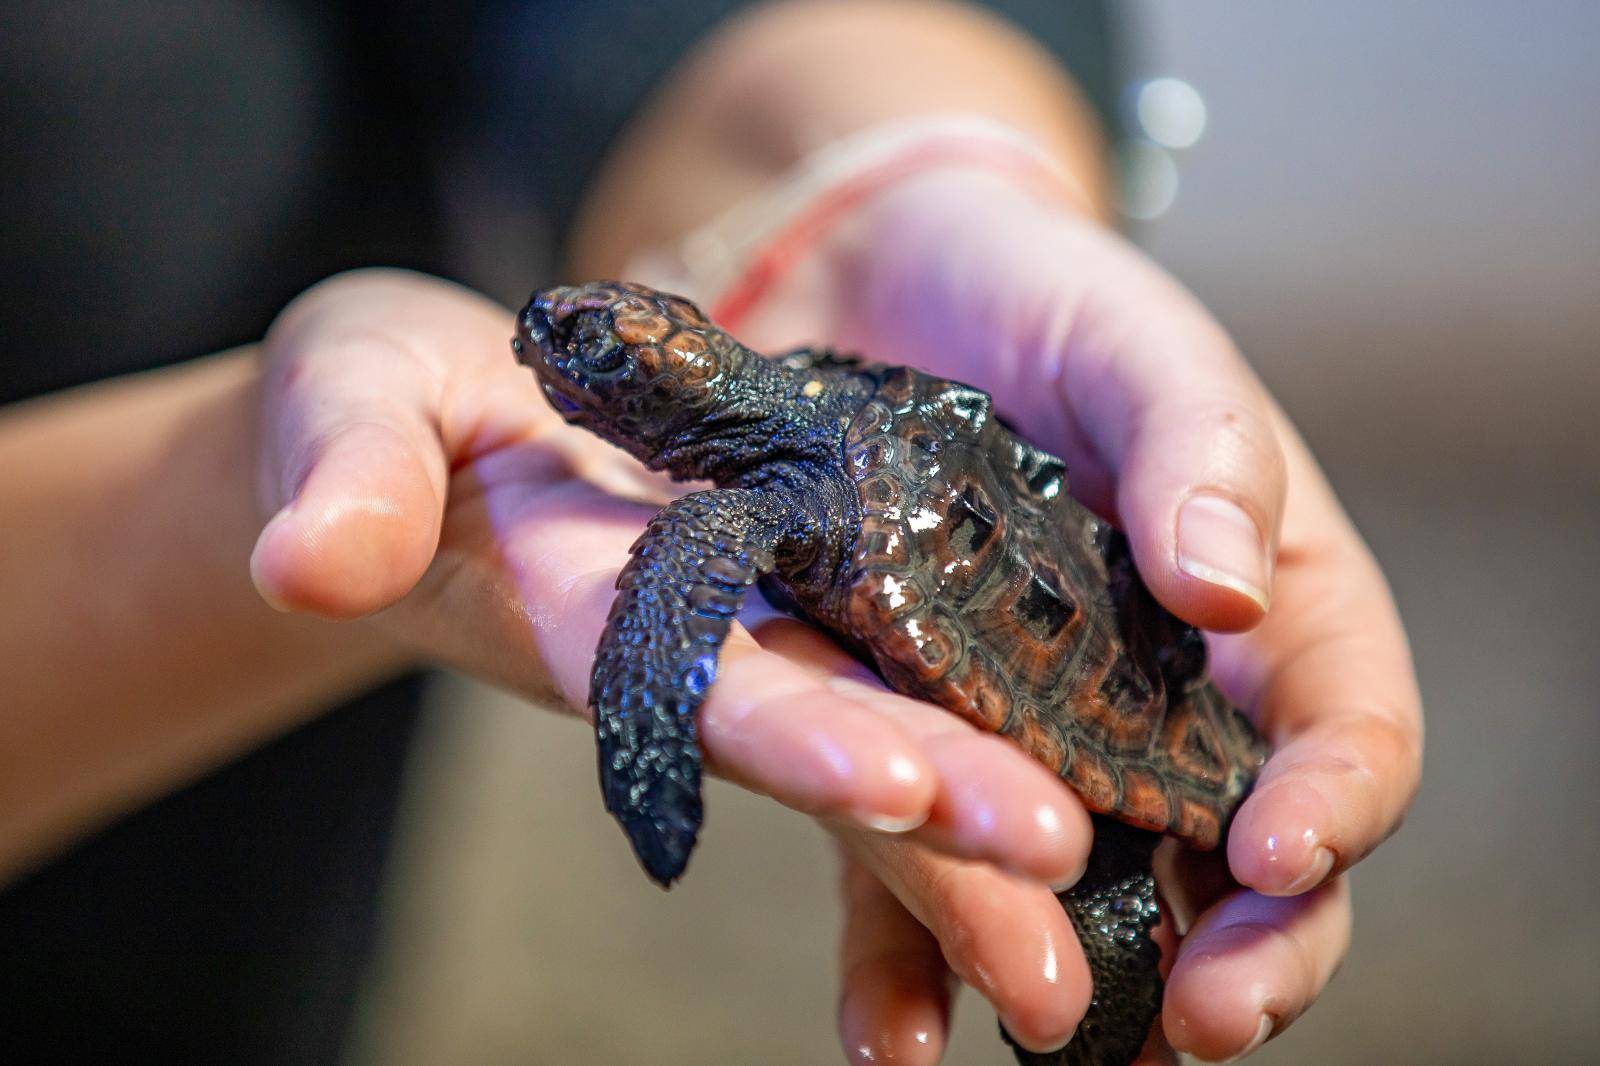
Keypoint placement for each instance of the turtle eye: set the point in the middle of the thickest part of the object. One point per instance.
(598, 349)
(603, 357)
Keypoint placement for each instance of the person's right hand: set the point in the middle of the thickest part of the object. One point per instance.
(416, 474)
(1102, 358)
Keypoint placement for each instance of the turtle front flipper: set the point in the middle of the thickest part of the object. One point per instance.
(657, 657)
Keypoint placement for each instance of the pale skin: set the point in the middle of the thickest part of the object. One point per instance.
(431, 507)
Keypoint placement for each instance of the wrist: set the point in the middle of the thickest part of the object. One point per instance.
(143, 654)
(943, 212)
(805, 240)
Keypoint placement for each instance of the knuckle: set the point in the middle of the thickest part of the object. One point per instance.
(1239, 432)
(1374, 742)
(360, 280)
(351, 313)
(1221, 442)
(1281, 957)
(956, 905)
(332, 290)
(1401, 745)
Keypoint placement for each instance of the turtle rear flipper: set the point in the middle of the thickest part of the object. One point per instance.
(688, 577)
(1114, 910)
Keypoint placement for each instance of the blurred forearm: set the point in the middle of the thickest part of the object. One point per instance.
(137, 652)
(790, 76)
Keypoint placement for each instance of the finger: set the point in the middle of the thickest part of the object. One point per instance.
(352, 459)
(1340, 781)
(1008, 938)
(993, 803)
(1250, 967)
(1186, 432)
(1156, 413)
(895, 990)
(1330, 677)
(1157, 1051)
(777, 728)
(1190, 882)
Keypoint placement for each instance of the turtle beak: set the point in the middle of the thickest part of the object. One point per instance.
(566, 335)
(539, 347)
(536, 340)
(565, 406)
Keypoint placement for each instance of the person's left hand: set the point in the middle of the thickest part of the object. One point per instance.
(420, 480)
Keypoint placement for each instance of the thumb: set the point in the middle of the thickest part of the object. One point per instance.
(1188, 435)
(1164, 422)
(351, 460)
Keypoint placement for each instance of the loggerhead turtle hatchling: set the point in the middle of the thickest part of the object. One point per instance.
(895, 511)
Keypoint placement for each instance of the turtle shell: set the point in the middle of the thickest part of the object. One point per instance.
(977, 582)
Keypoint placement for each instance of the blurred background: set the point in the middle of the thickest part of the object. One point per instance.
(1393, 209)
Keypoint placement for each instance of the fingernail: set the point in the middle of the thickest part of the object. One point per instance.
(884, 823)
(1061, 886)
(905, 772)
(263, 587)
(1263, 1030)
(1220, 544)
(1039, 1049)
(1048, 821)
(1316, 873)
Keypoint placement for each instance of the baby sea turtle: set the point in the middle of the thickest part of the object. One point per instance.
(894, 510)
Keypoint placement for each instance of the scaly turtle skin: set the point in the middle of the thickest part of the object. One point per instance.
(894, 510)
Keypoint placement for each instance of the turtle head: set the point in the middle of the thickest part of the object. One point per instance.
(638, 367)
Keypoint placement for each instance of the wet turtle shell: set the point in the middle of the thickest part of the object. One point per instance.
(977, 581)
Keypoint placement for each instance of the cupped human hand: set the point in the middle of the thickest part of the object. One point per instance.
(1097, 354)
(417, 479)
